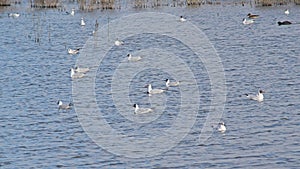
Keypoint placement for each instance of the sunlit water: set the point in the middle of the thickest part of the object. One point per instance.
(36, 73)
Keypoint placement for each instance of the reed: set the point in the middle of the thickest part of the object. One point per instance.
(273, 2)
(5, 2)
(45, 3)
(89, 5)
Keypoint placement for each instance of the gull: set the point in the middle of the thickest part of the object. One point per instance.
(119, 43)
(170, 84)
(73, 51)
(287, 12)
(82, 23)
(15, 15)
(138, 110)
(64, 106)
(72, 12)
(81, 70)
(222, 127)
(75, 75)
(134, 59)
(258, 97)
(182, 19)
(247, 22)
(154, 91)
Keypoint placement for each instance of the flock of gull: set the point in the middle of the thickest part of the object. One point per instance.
(77, 72)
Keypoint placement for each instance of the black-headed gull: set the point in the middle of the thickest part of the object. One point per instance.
(82, 23)
(221, 127)
(170, 84)
(73, 51)
(133, 59)
(247, 22)
(258, 97)
(62, 106)
(154, 91)
(119, 42)
(81, 70)
(287, 12)
(182, 19)
(75, 75)
(138, 110)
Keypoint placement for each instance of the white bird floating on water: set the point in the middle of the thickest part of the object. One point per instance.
(62, 106)
(154, 91)
(138, 110)
(119, 42)
(222, 127)
(71, 13)
(170, 84)
(75, 75)
(258, 97)
(81, 70)
(182, 19)
(73, 51)
(247, 22)
(133, 59)
(287, 12)
(82, 23)
(15, 15)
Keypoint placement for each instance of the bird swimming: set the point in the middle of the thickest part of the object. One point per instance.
(251, 16)
(75, 75)
(258, 97)
(119, 42)
(284, 23)
(154, 91)
(222, 127)
(62, 106)
(138, 110)
(170, 84)
(15, 15)
(81, 70)
(82, 23)
(287, 12)
(182, 19)
(73, 51)
(134, 59)
(71, 13)
(247, 22)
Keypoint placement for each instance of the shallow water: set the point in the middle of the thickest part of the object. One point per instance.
(35, 75)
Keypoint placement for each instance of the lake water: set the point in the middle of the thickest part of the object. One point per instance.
(36, 74)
